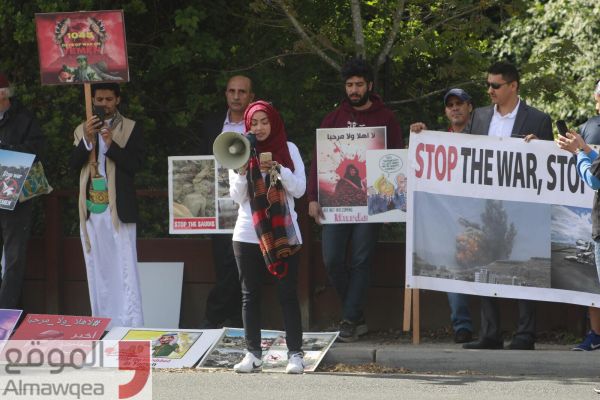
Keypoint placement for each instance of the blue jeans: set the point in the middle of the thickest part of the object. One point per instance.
(350, 280)
(459, 311)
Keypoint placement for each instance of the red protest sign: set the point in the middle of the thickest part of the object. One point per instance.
(60, 327)
(80, 47)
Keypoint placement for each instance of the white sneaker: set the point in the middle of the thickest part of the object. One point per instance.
(249, 364)
(295, 364)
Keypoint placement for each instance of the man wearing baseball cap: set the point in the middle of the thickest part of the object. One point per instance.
(19, 131)
(458, 107)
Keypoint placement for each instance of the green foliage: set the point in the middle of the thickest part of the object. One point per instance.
(182, 52)
(555, 44)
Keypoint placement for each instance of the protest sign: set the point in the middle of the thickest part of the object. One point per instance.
(14, 167)
(82, 47)
(199, 200)
(179, 348)
(60, 327)
(341, 171)
(230, 349)
(386, 185)
(499, 217)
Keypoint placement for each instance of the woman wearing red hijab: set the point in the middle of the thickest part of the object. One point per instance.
(266, 236)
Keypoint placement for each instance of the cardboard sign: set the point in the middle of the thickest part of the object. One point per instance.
(179, 348)
(199, 200)
(60, 327)
(83, 46)
(8, 320)
(14, 167)
(342, 170)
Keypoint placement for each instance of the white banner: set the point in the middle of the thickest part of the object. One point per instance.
(499, 217)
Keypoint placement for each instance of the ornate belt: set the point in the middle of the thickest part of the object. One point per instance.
(98, 193)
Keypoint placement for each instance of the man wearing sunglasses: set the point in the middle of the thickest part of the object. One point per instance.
(508, 116)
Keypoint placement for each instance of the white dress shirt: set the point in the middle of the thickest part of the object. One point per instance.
(502, 125)
(102, 149)
(228, 126)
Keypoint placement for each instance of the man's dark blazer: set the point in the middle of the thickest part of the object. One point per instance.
(127, 160)
(528, 120)
(212, 126)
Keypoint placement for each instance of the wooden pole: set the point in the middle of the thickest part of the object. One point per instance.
(87, 90)
(407, 309)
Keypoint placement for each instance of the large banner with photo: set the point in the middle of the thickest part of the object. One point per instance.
(342, 170)
(199, 200)
(499, 217)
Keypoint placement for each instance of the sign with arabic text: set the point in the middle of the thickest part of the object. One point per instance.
(60, 327)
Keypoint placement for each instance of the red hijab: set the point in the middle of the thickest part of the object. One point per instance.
(276, 143)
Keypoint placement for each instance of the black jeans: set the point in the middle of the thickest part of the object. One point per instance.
(252, 269)
(15, 228)
(225, 299)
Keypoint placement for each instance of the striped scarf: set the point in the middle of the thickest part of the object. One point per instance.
(271, 218)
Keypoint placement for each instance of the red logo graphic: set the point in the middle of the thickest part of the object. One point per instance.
(134, 356)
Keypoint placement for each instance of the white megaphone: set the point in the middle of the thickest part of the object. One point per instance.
(232, 149)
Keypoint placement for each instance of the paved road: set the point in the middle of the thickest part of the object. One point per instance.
(194, 384)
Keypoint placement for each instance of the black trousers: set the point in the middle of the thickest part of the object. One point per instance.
(15, 228)
(490, 320)
(252, 271)
(224, 301)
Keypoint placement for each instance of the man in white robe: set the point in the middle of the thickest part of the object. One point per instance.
(108, 207)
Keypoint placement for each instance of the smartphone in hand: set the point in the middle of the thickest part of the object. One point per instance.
(561, 125)
(100, 113)
(266, 156)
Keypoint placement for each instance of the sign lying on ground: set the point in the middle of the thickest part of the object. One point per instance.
(61, 327)
(229, 349)
(181, 348)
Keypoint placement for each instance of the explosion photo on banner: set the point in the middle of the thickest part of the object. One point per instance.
(84, 46)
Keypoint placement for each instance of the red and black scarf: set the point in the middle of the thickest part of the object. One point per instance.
(268, 199)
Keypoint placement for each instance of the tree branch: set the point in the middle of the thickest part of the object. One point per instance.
(465, 11)
(392, 36)
(433, 93)
(301, 31)
(266, 60)
(359, 35)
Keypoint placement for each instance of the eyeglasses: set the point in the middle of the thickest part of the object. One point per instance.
(495, 85)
